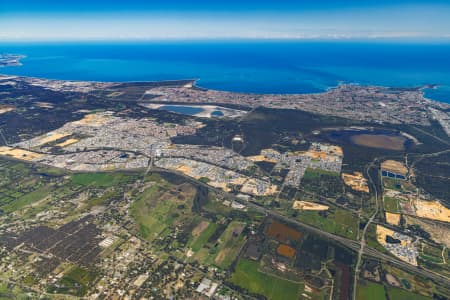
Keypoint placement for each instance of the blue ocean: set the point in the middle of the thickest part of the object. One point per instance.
(243, 66)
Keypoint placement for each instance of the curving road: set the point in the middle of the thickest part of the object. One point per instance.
(363, 236)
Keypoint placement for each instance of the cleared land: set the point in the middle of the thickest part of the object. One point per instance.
(19, 153)
(433, 210)
(286, 250)
(67, 142)
(393, 219)
(304, 205)
(380, 141)
(394, 167)
(356, 181)
(283, 233)
(437, 231)
(51, 138)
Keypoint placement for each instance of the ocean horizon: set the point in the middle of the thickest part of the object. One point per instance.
(243, 66)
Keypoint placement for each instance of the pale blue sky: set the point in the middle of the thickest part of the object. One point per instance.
(177, 19)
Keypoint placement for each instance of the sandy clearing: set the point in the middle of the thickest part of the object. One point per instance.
(19, 153)
(393, 219)
(356, 181)
(433, 210)
(67, 143)
(305, 205)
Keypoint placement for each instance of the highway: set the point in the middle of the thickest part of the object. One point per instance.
(351, 244)
(348, 243)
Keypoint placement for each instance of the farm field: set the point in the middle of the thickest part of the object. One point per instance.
(100, 179)
(339, 221)
(230, 243)
(399, 294)
(161, 206)
(247, 276)
(370, 291)
(197, 242)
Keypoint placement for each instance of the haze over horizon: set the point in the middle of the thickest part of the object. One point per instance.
(140, 20)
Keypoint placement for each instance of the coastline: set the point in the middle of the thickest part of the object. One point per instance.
(193, 84)
(265, 67)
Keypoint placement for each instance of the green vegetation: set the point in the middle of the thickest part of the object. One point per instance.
(246, 275)
(318, 174)
(431, 254)
(370, 291)
(391, 205)
(324, 183)
(201, 240)
(230, 243)
(100, 179)
(100, 200)
(151, 220)
(12, 292)
(224, 247)
(433, 174)
(392, 184)
(159, 207)
(372, 239)
(26, 199)
(399, 294)
(340, 222)
(75, 282)
(5, 292)
(204, 179)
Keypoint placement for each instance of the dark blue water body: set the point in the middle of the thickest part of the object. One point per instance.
(243, 66)
(217, 113)
(185, 110)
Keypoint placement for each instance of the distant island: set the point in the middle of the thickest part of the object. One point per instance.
(10, 60)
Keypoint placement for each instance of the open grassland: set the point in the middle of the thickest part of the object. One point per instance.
(29, 190)
(100, 179)
(199, 241)
(417, 285)
(340, 222)
(220, 245)
(400, 294)
(391, 205)
(230, 243)
(432, 253)
(26, 199)
(159, 207)
(246, 275)
(367, 290)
